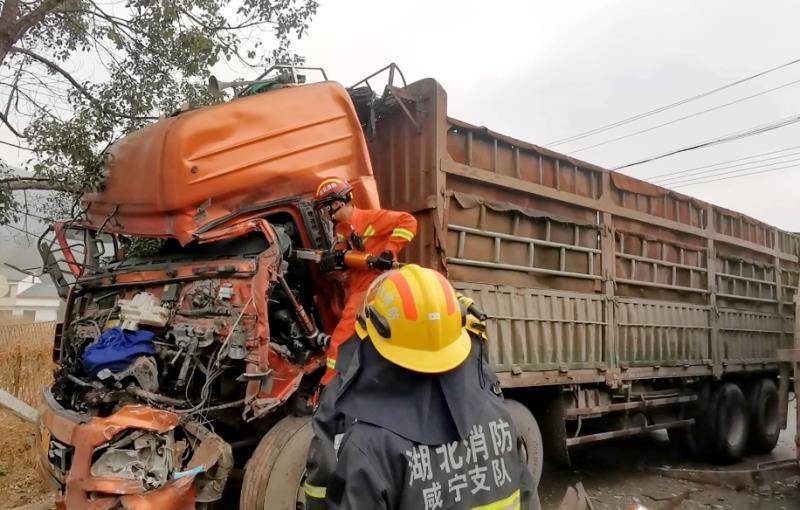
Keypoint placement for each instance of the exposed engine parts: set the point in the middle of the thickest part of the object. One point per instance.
(204, 336)
(142, 310)
(155, 348)
(142, 371)
(140, 456)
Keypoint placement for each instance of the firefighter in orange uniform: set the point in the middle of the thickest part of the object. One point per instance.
(378, 232)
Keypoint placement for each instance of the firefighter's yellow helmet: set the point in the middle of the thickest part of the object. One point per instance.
(414, 320)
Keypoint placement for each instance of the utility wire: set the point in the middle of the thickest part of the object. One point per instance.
(20, 230)
(685, 117)
(724, 162)
(28, 213)
(737, 176)
(757, 130)
(667, 107)
(680, 181)
(748, 166)
(16, 146)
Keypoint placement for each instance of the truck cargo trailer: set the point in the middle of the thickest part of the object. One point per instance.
(617, 307)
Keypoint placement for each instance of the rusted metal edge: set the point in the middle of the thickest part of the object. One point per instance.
(753, 479)
(625, 406)
(542, 151)
(549, 378)
(485, 176)
(615, 434)
(789, 355)
(522, 144)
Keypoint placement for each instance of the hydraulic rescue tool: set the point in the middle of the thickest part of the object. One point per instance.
(352, 259)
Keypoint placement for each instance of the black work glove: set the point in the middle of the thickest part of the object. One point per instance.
(384, 261)
(331, 261)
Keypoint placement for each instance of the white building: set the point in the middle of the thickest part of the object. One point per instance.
(28, 298)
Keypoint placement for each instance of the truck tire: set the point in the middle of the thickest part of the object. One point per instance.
(274, 474)
(765, 421)
(531, 437)
(724, 426)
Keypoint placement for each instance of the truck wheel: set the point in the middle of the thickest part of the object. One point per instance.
(531, 437)
(274, 475)
(726, 425)
(765, 427)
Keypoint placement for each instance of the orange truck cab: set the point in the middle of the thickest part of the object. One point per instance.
(190, 246)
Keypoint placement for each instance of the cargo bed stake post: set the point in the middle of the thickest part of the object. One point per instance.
(608, 249)
(790, 359)
(783, 382)
(713, 313)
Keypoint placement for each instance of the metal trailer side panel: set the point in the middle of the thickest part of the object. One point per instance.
(590, 275)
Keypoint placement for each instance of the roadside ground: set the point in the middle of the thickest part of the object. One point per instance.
(616, 475)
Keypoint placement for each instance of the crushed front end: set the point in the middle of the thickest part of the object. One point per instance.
(134, 458)
(171, 360)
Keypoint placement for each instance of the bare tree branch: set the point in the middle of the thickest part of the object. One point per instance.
(11, 128)
(31, 183)
(13, 91)
(80, 88)
(33, 101)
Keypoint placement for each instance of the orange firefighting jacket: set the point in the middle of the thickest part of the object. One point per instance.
(378, 230)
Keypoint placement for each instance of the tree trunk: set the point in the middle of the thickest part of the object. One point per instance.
(8, 21)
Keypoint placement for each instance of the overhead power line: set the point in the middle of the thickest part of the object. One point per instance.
(748, 165)
(737, 176)
(682, 180)
(724, 162)
(685, 117)
(757, 130)
(22, 230)
(28, 213)
(655, 111)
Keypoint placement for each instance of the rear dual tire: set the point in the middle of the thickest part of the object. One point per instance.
(763, 406)
(728, 424)
(720, 432)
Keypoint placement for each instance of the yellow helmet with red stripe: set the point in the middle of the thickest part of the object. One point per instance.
(414, 320)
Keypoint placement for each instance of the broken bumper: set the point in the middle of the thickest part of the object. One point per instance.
(70, 450)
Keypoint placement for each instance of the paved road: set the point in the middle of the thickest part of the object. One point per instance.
(616, 475)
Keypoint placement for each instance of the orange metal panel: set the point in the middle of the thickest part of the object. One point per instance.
(180, 173)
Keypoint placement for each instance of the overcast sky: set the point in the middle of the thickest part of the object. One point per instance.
(543, 70)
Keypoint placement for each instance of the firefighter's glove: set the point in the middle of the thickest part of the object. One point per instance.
(384, 261)
(331, 260)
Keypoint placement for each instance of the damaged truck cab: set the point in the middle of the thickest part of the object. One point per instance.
(204, 341)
